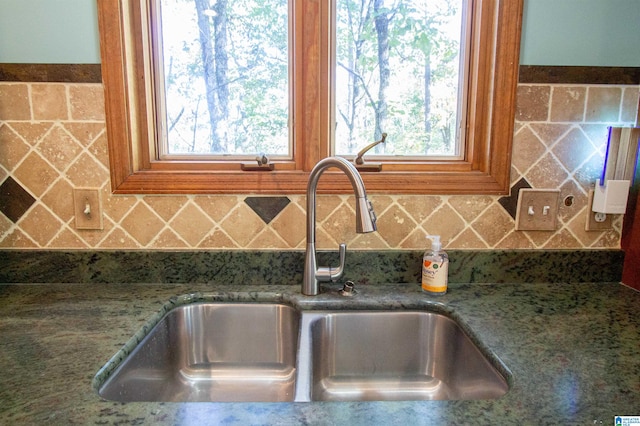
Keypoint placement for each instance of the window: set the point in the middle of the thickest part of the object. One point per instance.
(129, 35)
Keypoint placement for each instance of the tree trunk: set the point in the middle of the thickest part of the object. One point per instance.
(222, 67)
(427, 101)
(211, 60)
(382, 29)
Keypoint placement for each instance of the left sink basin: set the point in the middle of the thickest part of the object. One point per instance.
(241, 352)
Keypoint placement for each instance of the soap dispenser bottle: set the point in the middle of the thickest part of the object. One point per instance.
(435, 268)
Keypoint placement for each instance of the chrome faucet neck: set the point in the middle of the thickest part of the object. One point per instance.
(365, 222)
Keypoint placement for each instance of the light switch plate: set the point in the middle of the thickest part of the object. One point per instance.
(537, 210)
(87, 208)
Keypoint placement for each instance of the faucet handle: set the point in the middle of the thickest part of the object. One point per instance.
(336, 273)
(330, 273)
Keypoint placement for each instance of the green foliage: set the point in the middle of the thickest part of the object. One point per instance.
(423, 37)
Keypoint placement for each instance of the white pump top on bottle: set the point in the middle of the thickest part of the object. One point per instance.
(436, 245)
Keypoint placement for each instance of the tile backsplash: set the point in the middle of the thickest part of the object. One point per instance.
(53, 139)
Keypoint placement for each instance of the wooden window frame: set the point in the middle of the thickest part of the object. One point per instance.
(130, 113)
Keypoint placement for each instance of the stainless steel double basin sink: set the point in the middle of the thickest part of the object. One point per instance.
(273, 352)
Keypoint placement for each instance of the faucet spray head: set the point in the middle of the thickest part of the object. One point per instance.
(365, 216)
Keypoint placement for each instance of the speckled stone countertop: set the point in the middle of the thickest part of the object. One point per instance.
(573, 350)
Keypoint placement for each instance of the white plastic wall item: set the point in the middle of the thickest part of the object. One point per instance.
(612, 197)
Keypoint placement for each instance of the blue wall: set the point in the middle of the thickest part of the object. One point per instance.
(555, 32)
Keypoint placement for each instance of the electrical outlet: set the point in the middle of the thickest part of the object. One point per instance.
(537, 210)
(87, 208)
(596, 221)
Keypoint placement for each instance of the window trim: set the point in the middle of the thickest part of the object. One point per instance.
(130, 113)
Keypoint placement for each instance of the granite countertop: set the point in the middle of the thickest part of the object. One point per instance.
(572, 348)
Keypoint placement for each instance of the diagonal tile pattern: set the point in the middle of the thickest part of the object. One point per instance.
(53, 138)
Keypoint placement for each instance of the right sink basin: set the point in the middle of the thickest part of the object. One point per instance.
(397, 355)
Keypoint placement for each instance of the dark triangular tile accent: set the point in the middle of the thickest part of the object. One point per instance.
(14, 200)
(267, 207)
(510, 203)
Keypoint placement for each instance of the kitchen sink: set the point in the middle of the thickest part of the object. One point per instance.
(212, 352)
(397, 355)
(272, 352)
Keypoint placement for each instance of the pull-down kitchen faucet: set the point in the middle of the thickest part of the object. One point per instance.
(365, 222)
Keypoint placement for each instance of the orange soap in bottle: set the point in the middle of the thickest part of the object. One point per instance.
(435, 268)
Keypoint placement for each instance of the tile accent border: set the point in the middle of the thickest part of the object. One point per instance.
(286, 267)
(578, 75)
(51, 73)
(92, 73)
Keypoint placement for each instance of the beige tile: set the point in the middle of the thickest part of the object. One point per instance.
(598, 134)
(467, 239)
(416, 240)
(267, 239)
(14, 102)
(547, 173)
(325, 205)
(340, 224)
(539, 238)
(59, 198)
(116, 206)
(562, 240)
(493, 225)
(5, 225)
(118, 239)
(290, 224)
(515, 176)
(12, 148)
(40, 225)
(168, 240)
(166, 205)
(591, 170)
(67, 240)
(567, 103)
(17, 239)
(368, 241)
(35, 174)
(59, 148)
(610, 239)
(217, 206)
(470, 207)
(395, 225)
(573, 149)
(84, 133)
(380, 202)
(527, 149)
(99, 150)
(242, 225)
(218, 240)
(191, 224)
(630, 101)
(446, 223)
(324, 241)
(93, 237)
(142, 224)
(49, 102)
(85, 171)
(31, 132)
(419, 207)
(549, 133)
(532, 103)
(603, 104)
(86, 102)
(516, 240)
